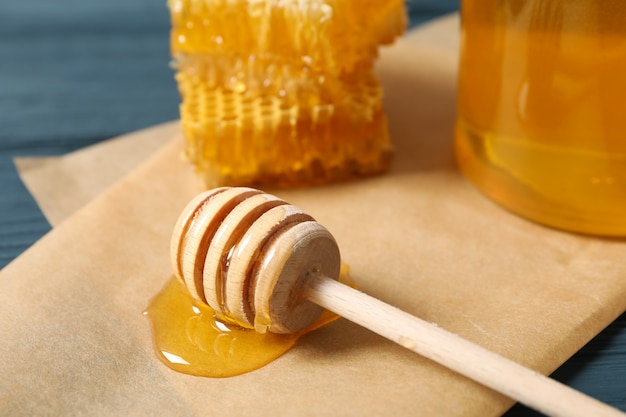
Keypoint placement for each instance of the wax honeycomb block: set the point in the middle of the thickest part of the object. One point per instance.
(332, 35)
(239, 138)
(282, 92)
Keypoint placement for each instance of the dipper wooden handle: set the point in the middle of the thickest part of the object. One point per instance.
(265, 264)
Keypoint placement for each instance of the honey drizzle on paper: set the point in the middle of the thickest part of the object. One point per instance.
(190, 338)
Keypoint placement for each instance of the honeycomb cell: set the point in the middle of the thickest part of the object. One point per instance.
(282, 92)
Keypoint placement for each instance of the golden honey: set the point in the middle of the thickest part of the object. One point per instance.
(542, 92)
(283, 92)
(190, 338)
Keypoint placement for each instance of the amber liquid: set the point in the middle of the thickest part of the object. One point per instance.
(542, 93)
(190, 338)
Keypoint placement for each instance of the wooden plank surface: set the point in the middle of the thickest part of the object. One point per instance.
(77, 72)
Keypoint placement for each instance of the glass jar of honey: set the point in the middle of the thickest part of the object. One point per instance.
(541, 126)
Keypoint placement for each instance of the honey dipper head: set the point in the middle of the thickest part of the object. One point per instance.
(247, 254)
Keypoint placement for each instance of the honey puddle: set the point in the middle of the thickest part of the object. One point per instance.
(189, 338)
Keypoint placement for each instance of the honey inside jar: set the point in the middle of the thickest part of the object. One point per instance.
(541, 128)
(190, 338)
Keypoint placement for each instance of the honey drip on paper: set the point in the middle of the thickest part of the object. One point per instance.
(283, 92)
(189, 338)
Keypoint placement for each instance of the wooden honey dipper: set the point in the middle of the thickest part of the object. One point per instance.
(264, 264)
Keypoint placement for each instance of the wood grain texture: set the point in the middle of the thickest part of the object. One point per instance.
(448, 349)
(75, 72)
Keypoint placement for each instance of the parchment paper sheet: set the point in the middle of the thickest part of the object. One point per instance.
(73, 340)
(62, 185)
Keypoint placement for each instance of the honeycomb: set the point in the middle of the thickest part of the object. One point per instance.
(283, 91)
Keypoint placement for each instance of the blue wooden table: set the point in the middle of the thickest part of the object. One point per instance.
(75, 72)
